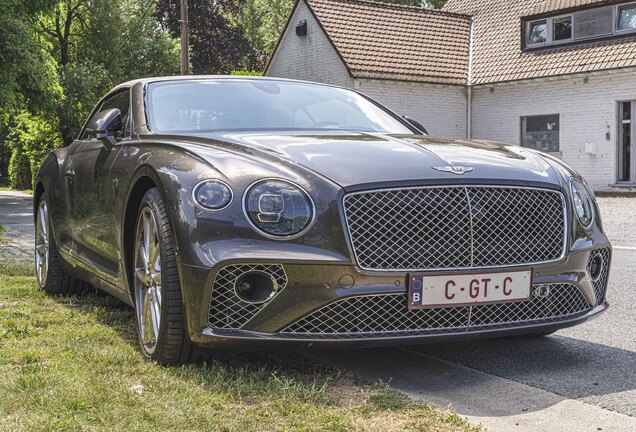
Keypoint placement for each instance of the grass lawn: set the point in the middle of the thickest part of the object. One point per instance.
(6, 188)
(70, 363)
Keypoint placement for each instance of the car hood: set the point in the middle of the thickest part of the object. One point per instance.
(362, 158)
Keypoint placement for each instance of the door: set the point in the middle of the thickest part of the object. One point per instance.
(92, 215)
(626, 159)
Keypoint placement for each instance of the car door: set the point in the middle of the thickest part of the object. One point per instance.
(92, 194)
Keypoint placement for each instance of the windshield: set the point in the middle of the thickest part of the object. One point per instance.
(246, 105)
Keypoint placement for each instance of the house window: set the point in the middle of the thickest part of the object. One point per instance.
(538, 32)
(582, 25)
(562, 28)
(626, 17)
(540, 132)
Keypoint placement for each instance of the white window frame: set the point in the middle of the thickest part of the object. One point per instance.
(550, 28)
(549, 40)
(617, 17)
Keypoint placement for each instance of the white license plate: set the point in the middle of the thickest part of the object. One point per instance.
(447, 290)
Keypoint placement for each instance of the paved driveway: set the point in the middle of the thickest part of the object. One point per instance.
(581, 379)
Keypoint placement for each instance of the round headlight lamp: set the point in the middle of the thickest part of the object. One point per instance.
(278, 208)
(212, 194)
(583, 204)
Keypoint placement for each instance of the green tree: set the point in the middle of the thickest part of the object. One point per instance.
(28, 78)
(263, 21)
(101, 43)
(217, 42)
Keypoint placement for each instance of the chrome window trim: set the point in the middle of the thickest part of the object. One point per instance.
(375, 270)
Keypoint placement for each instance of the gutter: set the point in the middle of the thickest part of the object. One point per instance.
(469, 86)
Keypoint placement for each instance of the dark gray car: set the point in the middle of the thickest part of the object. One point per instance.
(243, 212)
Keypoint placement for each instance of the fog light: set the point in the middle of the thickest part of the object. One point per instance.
(596, 267)
(255, 287)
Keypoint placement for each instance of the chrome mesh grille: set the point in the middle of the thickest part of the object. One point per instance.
(388, 313)
(455, 227)
(227, 311)
(600, 285)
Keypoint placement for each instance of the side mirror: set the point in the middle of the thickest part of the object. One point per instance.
(417, 125)
(105, 125)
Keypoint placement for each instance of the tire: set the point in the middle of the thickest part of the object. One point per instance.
(159, 310)
(50, 275)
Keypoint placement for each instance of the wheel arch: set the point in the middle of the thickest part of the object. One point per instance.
(143, 182)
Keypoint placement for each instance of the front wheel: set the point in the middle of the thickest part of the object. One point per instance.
(161, 322)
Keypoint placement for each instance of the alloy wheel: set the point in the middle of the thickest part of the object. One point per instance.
(42, 243)
(148, 280)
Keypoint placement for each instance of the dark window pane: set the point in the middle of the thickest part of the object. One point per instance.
(562, 28)
(540, 132)
(538, 32)
(627, 17)
(624, 154)
(627, 111)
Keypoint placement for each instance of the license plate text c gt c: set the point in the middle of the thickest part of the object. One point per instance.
(450, 290)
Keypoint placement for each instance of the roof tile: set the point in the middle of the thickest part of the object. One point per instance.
(389, 41)
(497, 54)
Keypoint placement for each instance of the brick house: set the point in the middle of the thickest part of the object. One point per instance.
(555, 75)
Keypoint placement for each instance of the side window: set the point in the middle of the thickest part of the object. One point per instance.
(119, 100)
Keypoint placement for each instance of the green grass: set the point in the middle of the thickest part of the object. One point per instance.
(71, 363)
(6, 188)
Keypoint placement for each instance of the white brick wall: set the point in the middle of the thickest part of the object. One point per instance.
(586, 109)
(440, 108)
(310, 57)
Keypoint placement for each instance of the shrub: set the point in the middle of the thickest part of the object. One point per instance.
(246, 72)
(20, 170)
(31, 139)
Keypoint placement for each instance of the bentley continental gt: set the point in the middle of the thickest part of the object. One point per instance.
(244, 213)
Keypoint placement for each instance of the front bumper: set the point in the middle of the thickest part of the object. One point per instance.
(312, 285)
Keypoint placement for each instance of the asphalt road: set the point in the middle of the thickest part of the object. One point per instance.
(580, 379)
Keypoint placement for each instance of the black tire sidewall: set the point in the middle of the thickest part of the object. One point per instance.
(151, 202)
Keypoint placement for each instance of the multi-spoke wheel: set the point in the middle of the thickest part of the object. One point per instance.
(157, 291)
(148, 280)
(48, 269)
(42, 243)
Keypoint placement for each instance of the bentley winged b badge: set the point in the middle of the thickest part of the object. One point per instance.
(454, 169)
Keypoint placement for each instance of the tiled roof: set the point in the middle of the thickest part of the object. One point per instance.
(497, 54)
(547, 6)
(380, 40)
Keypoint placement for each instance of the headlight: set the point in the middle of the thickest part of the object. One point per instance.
(278, 208)
(583, 206)
(212, 194)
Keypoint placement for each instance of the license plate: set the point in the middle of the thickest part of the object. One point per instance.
(448, 290)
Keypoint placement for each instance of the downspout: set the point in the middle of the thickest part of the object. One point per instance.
(469, 86)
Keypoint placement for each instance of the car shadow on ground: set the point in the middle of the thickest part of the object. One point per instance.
(472, 376)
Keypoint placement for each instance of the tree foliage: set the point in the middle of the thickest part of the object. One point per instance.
(57, 58)
(218, 44)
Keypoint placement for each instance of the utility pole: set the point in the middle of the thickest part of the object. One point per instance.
(185, 58)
